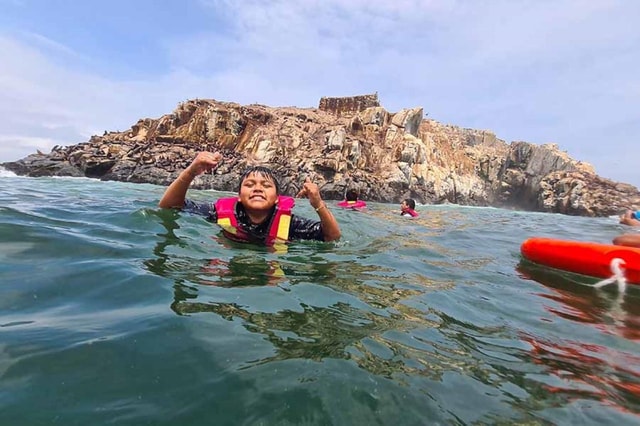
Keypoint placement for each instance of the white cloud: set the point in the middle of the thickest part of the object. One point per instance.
(17, 145)
(42, 101)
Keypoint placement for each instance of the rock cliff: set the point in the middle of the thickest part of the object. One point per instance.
(345, 143)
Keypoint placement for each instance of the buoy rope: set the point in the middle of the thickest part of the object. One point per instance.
(617, 277)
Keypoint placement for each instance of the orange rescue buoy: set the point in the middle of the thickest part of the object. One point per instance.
(584, 258)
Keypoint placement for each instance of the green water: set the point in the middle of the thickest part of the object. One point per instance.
(115, 312)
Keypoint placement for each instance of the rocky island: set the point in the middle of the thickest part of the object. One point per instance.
(348, 142)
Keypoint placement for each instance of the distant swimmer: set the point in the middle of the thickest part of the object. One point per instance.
(630, 218)
(351, 201)
(408, 208)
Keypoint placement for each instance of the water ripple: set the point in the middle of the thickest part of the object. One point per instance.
(115, 311)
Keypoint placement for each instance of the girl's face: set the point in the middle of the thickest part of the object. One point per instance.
(404, 206)
(258, 192)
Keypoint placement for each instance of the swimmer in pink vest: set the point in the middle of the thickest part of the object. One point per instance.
(259, 213)
(351, 201)
(408, 208)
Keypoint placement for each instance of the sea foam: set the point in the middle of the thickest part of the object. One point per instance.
(6, 173)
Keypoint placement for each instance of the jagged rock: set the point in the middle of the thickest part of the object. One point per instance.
(348, 105)
(346, 143)
(36, 165)
(585, 194)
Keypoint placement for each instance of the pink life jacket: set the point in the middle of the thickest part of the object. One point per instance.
(412, 212)
(352, 204)
(278, 227)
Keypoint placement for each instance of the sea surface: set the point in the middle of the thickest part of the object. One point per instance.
(113, 311)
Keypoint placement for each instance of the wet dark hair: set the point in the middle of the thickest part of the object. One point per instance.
(352, 195)
(262, 172)
(409, 202)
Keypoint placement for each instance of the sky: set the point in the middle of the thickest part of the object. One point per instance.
(540, 71)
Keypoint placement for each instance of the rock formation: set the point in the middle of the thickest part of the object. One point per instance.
(346, 142)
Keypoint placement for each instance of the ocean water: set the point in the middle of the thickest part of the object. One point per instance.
(113, 311)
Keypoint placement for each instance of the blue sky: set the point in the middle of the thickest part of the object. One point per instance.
(561, 71)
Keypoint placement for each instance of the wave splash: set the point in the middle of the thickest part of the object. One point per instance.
(6, 173)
